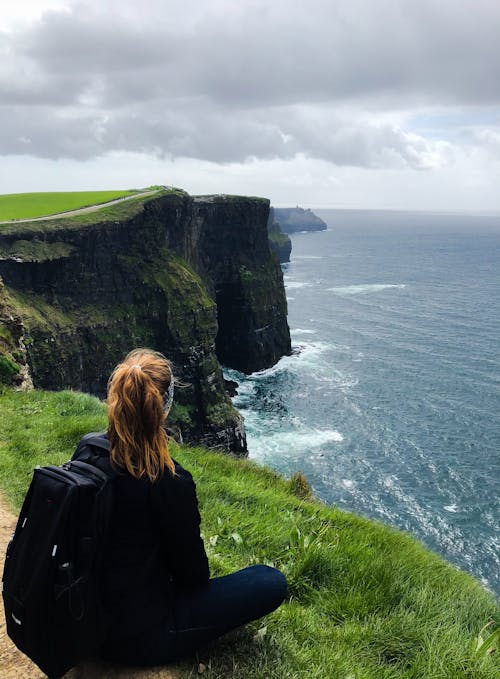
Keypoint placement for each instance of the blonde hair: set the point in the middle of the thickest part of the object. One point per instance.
(136, 414)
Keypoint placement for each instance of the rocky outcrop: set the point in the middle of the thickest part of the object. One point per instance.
(293, 219)
(192, 277)
(244, 279)
(13, 359)
(279, 242)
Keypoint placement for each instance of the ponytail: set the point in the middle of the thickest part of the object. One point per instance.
(136, 414)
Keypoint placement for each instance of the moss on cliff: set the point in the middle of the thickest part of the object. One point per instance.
(13, 368)
(76, 345)
(9, 369)
(184, 290)
(23, 250)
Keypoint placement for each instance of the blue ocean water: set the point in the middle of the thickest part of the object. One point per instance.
(390, 403)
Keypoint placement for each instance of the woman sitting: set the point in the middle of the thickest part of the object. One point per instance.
(156, 581)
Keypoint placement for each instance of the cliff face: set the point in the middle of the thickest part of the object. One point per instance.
(193, 278)
(234, 259)
(13, 364)
(279, 242)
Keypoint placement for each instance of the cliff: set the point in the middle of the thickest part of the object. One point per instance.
(191, 277)
(293, 219)
(279, 242)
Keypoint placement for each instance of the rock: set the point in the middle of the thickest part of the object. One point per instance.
(13, 360)
(279, 242)
(293, 219)
(245, 280)
(231, 387)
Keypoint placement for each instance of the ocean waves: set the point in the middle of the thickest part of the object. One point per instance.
(305, 355)
(390, 402)
(289, 444)
(366, 288)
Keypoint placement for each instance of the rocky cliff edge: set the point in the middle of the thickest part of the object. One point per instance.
(192, 277)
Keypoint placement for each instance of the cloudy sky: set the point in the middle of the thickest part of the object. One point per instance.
(323, 103)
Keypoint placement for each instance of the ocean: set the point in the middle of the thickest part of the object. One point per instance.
(390, 402)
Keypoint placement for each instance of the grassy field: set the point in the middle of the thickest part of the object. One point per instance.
(29, 205)
(365, 601)
(117, 212)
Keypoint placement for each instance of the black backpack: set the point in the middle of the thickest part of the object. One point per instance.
(50, 583)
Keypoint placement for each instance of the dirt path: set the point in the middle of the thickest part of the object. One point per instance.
(82, 210)
(15, 665)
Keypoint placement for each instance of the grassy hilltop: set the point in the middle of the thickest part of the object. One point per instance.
(365, 601)
(31, 205)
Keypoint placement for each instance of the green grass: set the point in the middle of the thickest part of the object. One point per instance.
(29, 205)
(365, 601)
(118, 212)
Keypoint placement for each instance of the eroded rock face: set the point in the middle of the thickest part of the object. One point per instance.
(279, 242)
(14, 368)
(192, 278)
(245, 280)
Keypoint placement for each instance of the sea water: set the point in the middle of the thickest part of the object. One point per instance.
(390, 403)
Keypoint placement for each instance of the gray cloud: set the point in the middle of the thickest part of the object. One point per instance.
(226, 83)
(209, 133)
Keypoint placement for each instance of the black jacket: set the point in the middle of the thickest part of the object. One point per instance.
(153, 545)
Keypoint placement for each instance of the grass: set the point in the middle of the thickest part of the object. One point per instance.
(365, 601)
(30, 205)
(118, 212)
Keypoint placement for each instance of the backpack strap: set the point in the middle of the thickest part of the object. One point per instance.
(94, 449)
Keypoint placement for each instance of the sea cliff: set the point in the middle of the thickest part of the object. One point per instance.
(190, 276)
(279, 242)
(294, 219)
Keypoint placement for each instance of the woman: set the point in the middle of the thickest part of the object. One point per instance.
(156, 582)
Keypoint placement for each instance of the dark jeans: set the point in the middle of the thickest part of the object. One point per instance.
(203, 614)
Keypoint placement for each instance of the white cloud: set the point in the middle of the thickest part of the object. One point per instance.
(356, 90)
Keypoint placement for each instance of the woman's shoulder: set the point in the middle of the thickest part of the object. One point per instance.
(179, 481)
(175, 492)
(180, 473)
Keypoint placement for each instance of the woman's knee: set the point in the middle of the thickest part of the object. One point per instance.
(271, 583)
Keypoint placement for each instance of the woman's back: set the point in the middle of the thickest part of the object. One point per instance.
(154, 544)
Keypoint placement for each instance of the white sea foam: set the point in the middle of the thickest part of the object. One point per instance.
(363, 289)
(306, 353)
(451, 508)
(245, 389)
(294, 285)
(307, 257)
(296, 441)
(338, 380)
(307, 349)
(347, 483)
(302, 331)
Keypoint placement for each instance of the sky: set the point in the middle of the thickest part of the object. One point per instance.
(393, 104)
